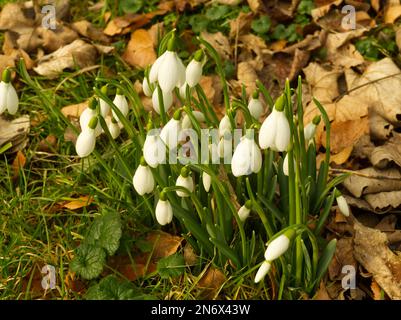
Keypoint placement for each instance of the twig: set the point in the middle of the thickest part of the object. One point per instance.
(363, 174)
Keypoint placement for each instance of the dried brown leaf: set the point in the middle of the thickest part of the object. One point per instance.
(384, 200)
(219, 42)
(78, 203)
(77, 53)
(140, 51)
(371, 250)
(15, 131)
(368, 182)
(383, 155)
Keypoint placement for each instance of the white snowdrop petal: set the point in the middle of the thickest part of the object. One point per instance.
(169, 72)
(309, 131)
(164, 212)
(186, 121)
(86, 142)
(12, 100)
(267, 133)
(255, 108)
(86, 117)
(143, 180)
(114, 130)
(167, 99)
(262, 271)
(170, 133)
(104, 108)
(282, 139)
(255, 156)
(207, 181)
(241, 162)
(343, 205)
(185, 182)
(154, 70)
(224, 125)
(277, 247)
(122, 104)
(181, 73)
(243, 213)
(3, 96)
(193, 73)
(285, 165)
(154, 151)
(146, 88)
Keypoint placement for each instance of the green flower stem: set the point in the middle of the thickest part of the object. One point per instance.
(203, 101)
(259, 210)
(266, 94)
(161, 105)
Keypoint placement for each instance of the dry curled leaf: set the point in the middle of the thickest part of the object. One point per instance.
(78, 53)
(219, 42)
(383, 155)
(384, 200)
(380, 128)
(211, 282)
(371, 250)
(16, 132)
(74, 110)
(78, 203)
(371, 180)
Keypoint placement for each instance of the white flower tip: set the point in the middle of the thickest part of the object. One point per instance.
(277, 247)
(262, 271)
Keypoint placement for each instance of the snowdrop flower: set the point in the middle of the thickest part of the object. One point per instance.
(87, 115)
(342, 204)
(164, 211)
(143, 180)
(8, 96)
(247, 157)
(183, 90)
(194, 69)
(154, 70)
(207, 181)
(114, 128)
(224, 126)
(87, 139)
(167, 100)
(279, 245)
(310, 129)
(262, 271)
(171, 130)
(285, 165)
(185, 180)
(245, 210)
(225, 146)
(186, 121)
(147, 87)
(104, 106)
(275, 130)
(154, 150)
(171, 71)
(121, 103)
(255, 106)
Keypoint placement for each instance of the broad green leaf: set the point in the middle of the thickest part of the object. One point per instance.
(217, 12)
(261, 25)
(106, 232)
(88, 261)
(171, 266)
(131, 6)
(305, 7)
(110, 288)
(198, 23)
(325, 260)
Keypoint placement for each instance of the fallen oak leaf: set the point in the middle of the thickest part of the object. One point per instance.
(79, 203)
(211, 282)
(140, 51)
(18, 164)
(384, 200)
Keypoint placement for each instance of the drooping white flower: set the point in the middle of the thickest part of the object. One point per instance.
(170, 72)
(164, 212)
(285, 165)
(87, 115)
(104, 106)
(279, 245)
(154, 150)
(262, 271)
(186, 121)
(245, 210)
(86, 140)
(114, 128)
(194, 69)
(122, 104)
(143, 180)
(225, 146)
(8, 96)
(207, 181)
(255, 105)
(247, 158)
(171, 131)
(342, 205)
(224, 126)
(183, 90)
(146, 88)
(154, 70)
(310, 129)
(275, 131)
(167, 100)
(184, 180)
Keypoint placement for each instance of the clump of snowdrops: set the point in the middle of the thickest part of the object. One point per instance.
(247, 195)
